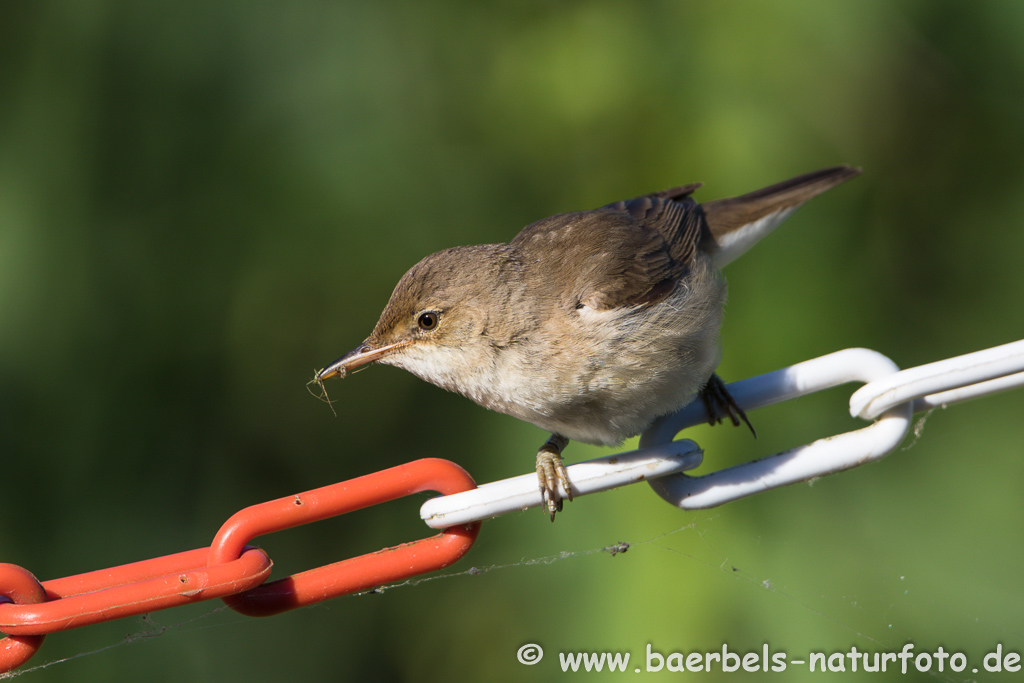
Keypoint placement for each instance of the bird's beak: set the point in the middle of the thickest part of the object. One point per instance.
(361, 355)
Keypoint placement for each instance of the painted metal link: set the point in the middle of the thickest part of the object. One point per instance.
(236, 572)
(233, 570)
(889, 397)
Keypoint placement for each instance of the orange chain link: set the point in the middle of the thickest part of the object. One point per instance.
(231, 569)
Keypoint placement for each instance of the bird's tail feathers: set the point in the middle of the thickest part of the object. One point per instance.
(737, 223)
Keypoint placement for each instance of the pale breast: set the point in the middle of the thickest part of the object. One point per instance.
(601, 376)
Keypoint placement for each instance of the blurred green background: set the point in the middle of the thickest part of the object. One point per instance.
(200, 202)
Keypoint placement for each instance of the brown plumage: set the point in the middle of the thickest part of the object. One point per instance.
(588, 324)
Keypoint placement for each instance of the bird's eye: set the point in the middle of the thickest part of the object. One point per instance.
(427, 321)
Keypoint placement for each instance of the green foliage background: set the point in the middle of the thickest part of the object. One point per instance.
(200, 202)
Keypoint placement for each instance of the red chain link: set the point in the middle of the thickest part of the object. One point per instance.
(232, 570)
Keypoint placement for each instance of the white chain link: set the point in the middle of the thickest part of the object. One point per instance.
(889, 397)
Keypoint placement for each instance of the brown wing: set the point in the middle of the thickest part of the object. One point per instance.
(671, 213)
(629, 253)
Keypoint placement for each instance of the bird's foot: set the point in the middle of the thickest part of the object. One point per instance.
(719, 403)
(551, 473)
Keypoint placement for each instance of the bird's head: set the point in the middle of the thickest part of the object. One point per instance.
(436, 322)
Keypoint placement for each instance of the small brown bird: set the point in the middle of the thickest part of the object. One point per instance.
(588, 324)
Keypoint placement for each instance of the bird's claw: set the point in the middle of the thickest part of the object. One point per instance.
(550, 475)
(719, 404)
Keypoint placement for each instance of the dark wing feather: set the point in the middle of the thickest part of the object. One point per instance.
(630, 253)
(671, 213)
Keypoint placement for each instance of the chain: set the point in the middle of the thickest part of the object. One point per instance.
(889, 397)
(236, 572)
(231, 569)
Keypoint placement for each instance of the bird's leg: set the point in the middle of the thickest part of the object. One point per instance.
(719, 403)
(551, 472)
